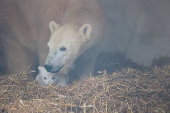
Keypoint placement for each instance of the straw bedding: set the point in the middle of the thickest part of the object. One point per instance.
(125, 91)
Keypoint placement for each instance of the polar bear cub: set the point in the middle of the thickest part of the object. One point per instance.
(44, 78)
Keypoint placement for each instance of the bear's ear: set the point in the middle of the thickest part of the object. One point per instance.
(53, 26)
(85, 31)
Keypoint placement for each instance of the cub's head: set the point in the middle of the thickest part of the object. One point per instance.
(64, 46)
(46, 77)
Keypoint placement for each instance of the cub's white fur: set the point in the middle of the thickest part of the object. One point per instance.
(44, 78)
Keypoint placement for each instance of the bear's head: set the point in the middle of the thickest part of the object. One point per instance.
(46, 77)
(65, 46)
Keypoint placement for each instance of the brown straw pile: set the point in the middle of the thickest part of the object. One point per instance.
(126, 91)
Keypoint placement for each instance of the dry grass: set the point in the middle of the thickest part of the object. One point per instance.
(126, 91)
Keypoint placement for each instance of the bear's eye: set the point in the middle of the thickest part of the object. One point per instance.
(45, 78)
(85, 30)
(62, 49)
(53, 78)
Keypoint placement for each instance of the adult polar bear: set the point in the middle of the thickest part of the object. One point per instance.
(78, 39)
(26, 23)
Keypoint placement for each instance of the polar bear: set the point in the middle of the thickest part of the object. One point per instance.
(75, 44)
(24, 28)
(44, 78)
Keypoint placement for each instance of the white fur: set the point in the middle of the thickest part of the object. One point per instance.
(77, 37)
(81, 33)
(44, 78)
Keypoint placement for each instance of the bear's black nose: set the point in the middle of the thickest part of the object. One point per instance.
(48, 67)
